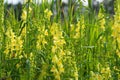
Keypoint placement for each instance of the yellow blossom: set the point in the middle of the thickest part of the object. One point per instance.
(48, 13)
(30, 9)
(76, 75)
(55, 59)
(17, 65)
(54, 48)
(62, 53)
(46, 32)
(57, 77)
(59, 64)
(24, 15)
(21, 56)
(61, 70)
(54, 70)
(44, 42)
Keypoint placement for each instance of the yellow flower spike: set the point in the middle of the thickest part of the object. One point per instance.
(55, 59)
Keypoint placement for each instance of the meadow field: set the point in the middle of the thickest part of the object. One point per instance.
(81, 47)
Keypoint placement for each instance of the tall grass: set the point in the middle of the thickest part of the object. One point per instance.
(37, 48)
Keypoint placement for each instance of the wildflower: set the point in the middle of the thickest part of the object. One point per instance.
(57, 77)
(61, 70)
(103, 24)
(46, 32)
(44, 41)
(59, 64)
(17, 66)
(55, 59)
(62, 53)
(54, 48)
(24, 15)
(7, 50)
(106, 72)
(48, 13)
(68, 52)
(54, 70)
(76, 75)
(21, 56)
(59, 42)
(30, 9)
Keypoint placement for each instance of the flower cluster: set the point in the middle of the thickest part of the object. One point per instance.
(14, 45)
(57, 51)
(116, 34)
(41, 38)
(48, 14)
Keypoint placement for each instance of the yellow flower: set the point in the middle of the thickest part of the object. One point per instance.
(62, 53)
(46, 10)
(103, 24)
(54, 48)
(59, 64)
(48, 13)
(59, 42)
(57, 77)
(106, 72)
(17, 65)
(61, 70)
(30, 9)
(6, 51)
(55, 59)
(54, 69)
(76, 75)
(21, 56)
(46, 32)
(44, 42)
(24, 15)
